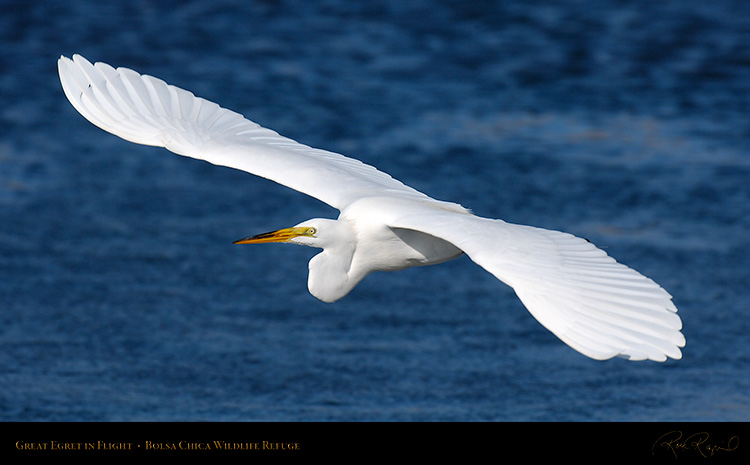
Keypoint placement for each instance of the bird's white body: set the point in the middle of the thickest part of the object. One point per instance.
(362, 242)
(594, 304)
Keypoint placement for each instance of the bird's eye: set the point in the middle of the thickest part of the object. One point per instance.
(312, 231)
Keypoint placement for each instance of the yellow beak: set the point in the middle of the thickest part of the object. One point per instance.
(282, 235)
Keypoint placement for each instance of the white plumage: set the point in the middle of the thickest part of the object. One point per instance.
(594, 304)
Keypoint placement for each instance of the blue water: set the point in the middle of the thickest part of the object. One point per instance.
(123, 298)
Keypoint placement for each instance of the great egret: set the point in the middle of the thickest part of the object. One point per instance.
(597, 306)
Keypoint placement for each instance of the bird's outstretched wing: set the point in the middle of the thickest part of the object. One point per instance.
(594, 304)
(146, 110)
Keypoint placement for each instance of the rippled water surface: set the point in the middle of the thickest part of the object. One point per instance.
(123, 297)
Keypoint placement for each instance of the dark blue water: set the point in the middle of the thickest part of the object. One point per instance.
(123, 298)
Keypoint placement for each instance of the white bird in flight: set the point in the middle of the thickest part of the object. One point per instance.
(596, 305)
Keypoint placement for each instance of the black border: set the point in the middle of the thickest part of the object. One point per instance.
(662, 442)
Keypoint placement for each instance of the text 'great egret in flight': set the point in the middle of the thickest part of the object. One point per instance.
(597, 306)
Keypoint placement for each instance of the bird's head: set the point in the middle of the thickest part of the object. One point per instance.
(311, 233)
(329, 278)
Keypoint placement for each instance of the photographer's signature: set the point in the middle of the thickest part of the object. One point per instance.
(698, 443)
